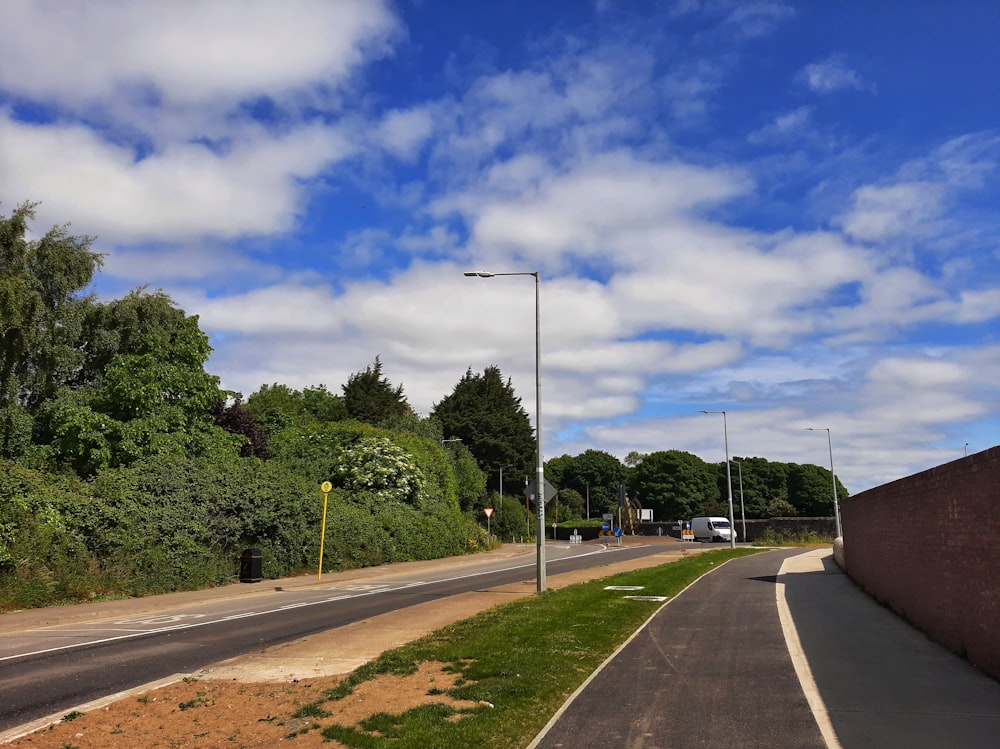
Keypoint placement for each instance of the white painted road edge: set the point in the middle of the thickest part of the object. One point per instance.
(808, 562)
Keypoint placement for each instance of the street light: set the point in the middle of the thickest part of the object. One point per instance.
(500, 514)
(836, 504)
(540, 469)
(743, 517)
(729, 479)
(967, 449)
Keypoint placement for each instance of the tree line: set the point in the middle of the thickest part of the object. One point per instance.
(126, 469)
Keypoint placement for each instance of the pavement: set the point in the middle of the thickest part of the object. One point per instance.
(779, 650)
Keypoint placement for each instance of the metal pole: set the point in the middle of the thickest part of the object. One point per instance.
(540, 541)
(588, 501)
(540, 469)
(836, 502)
(739, 464)
(729, 479)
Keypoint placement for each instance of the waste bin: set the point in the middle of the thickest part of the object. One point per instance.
(251, 566)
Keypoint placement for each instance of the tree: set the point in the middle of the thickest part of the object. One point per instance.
(41, 311)
(237, 419)
(141, 389)
(810, 490)
(592, 473)
(675, 484)
(487, 416)
(278, 407)
(371, 398)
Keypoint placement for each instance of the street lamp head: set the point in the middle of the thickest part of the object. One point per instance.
(713, 412)
(478, 274)
(817, 429)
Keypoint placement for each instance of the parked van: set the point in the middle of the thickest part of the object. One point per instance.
(711, 529)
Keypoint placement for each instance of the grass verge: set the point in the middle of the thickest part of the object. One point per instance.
(519, 661)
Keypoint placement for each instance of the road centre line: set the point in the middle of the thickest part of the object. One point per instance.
(192, 625)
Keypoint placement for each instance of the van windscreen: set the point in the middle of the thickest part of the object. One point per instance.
(720, 523)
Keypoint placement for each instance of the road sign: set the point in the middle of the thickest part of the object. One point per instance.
(326, 486)
(488, 511)
(530, 492)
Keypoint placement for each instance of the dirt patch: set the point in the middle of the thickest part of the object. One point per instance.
(203, 713)
(252, 701)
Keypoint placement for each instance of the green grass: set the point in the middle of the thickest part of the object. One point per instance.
(525, 657)
(802, 538)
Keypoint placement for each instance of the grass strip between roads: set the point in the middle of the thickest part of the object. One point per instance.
(519, 661)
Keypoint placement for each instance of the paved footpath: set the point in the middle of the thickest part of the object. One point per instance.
(713, 669)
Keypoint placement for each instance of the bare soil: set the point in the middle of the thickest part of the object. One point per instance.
(251, 701)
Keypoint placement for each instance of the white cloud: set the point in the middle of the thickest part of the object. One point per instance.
(832, 74)
(882, 212)
(185, 52)
(783, 127)
(404, 132)
(186, 190)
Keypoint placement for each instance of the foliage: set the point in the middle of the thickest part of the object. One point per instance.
(371, 398)
(237, 419)
(487, 416)
(675, 484)
(375, 465)
(592, 473)
(470, 480)
(278, 407)
(510, 519)
(41, 558)
(567, 505)
(42, 307)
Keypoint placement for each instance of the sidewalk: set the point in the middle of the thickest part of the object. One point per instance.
(712, 669)
(884, 684)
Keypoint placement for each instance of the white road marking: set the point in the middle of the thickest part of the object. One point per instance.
(808, 562)
(369, 590)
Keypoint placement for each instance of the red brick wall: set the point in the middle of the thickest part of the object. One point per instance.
(928, 547)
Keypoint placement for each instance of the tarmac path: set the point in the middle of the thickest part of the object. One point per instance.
(711, 669)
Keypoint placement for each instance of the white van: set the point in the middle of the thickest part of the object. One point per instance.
(711, 529)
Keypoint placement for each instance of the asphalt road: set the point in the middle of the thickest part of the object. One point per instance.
(49, 669)
(714, 671)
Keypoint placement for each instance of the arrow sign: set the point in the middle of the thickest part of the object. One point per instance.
(530, 491)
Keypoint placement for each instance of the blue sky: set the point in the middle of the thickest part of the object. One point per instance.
(784, 210)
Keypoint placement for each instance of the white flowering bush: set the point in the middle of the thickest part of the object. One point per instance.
(376, 466)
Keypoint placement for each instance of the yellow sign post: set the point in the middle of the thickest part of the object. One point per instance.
(326, 486)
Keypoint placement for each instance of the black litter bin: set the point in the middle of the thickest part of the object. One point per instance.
(252, 566)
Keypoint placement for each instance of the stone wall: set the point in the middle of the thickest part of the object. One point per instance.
(928, 547)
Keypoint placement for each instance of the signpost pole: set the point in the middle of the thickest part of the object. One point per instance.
(326, 486)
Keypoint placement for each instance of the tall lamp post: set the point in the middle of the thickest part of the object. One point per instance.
(540, 468)
(743, 516)
(836, 504)
(729, 479)
(500, 513)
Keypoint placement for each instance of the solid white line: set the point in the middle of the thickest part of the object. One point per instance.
(799, 660)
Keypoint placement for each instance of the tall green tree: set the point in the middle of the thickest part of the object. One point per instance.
(371, 398)
(42, 307)
(674, 483)
(485, 413)
(810, 490)
(141, 389)
(592, 473)
(278, 407)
